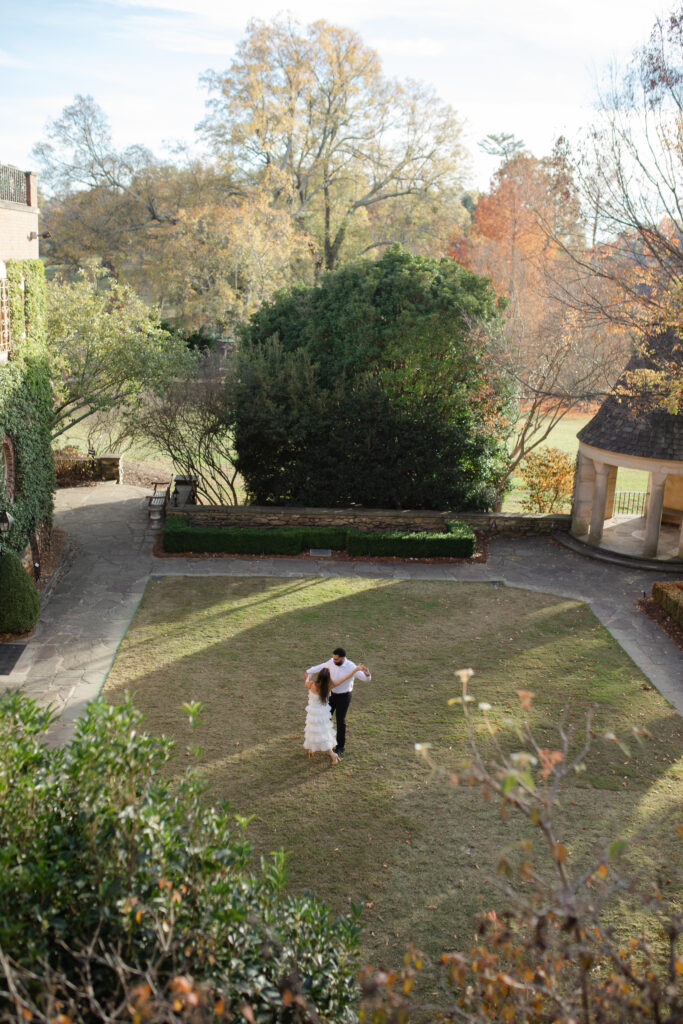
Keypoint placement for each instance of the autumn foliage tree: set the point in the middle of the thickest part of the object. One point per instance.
(548, 475)
(309, 113)
(520, 234)
(205, 249)
(629, 168)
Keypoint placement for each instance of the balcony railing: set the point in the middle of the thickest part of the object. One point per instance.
(13, 185)
(629, 503)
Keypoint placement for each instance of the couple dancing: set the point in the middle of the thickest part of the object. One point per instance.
(330, 694)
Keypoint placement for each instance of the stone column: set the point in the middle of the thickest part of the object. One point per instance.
(611, 488)
(653, 518)
(599, 502)
(584, 480)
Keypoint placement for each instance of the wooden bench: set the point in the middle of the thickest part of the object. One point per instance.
(157, 501)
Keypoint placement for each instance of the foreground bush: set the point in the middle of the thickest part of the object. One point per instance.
(117, 886)
(19, 601)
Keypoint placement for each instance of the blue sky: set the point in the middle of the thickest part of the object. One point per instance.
(529, 67)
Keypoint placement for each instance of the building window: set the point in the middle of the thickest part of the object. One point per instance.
(7, 473)
(4, 321)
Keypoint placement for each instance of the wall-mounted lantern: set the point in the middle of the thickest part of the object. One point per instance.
(6, 523)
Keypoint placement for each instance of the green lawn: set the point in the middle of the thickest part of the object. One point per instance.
(140, 452)
(377, 830)
(563, 436)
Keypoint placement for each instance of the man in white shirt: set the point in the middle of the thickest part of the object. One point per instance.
(340, 696)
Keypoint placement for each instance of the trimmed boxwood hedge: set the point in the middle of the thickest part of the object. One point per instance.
(669, 596)
(459, 542)
(179, 536)
(19, 601)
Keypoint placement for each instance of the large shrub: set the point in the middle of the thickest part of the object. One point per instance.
(548, 475)
(110, 874)
(19, 602)
(375, 387)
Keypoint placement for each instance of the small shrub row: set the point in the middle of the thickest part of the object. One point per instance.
(180, 537)
(669, 596)
(459, 542)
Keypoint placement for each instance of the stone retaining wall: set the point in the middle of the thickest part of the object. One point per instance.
(74, 469)
(370, 518)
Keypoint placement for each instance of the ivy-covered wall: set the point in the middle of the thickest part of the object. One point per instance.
(26, 405)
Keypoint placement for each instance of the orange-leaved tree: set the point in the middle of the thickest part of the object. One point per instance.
(548, 474)
(521, 233)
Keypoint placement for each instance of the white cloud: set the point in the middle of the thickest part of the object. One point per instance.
(523, 66)
(204, 40)
(420, 46)
(9, 60)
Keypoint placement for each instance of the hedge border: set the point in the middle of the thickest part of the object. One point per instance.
(180, 537)
(668, 594)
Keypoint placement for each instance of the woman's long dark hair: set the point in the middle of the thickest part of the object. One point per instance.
(323, 683)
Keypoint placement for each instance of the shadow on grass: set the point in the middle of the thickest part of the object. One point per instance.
(375, 829)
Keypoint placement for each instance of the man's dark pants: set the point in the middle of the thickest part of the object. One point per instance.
(339, 702)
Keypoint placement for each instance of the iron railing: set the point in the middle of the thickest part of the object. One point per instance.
(13, 185)
(629, 503)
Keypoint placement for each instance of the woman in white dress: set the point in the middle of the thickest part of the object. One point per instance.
(319, 733)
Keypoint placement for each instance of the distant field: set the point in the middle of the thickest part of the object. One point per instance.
(78, 437)
(564, 436)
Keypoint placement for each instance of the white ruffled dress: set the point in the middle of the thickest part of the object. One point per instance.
(319, 733)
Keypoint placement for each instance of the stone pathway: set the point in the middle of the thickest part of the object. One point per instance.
(109, 561)
(90, 602)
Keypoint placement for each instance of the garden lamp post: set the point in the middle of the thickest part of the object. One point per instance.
(6, 522)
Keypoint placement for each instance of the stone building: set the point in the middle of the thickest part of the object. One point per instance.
(629, 432)
(18, 234)
(18, 214)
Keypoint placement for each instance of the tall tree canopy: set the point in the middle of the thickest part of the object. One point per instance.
(375, 387)
(106, 349)
(521, 235)
(630, 168)
(203, 249)
(309, 113)
(630, 172)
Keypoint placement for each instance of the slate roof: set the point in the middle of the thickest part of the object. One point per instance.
(622, 425)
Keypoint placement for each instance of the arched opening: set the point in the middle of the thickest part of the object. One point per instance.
(7, 467)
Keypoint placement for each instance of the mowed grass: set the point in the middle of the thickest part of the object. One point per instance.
(563, 436)
(416, 853)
